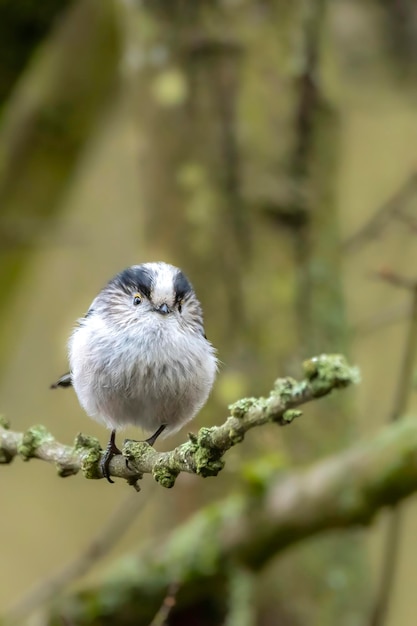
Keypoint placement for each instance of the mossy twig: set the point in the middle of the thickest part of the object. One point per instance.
(203, 453)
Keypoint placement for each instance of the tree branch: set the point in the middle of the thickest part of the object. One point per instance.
(389, 565)
(248, 530)
(203, 453)
(392, 207)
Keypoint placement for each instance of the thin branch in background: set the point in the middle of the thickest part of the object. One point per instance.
(400, 406)
(404, 387)
(396, 280)
(408, 220)
(48, 589)
(167, 605)
(392, 207)
(382, 318)
(389, 315)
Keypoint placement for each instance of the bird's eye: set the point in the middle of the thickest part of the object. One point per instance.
(137, 299)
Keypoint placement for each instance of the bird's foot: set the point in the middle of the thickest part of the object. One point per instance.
(151, 440)
(110, 452)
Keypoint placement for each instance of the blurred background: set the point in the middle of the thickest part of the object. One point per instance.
(266, 147)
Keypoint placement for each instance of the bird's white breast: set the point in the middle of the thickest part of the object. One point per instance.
(149, 375)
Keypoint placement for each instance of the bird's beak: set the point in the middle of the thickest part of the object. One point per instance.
(163, 309)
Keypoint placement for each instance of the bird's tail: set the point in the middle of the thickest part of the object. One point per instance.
(64, 381)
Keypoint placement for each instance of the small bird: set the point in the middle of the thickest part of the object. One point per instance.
(140, 355)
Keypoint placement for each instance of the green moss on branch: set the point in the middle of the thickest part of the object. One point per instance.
(204, 453)
(247, 530)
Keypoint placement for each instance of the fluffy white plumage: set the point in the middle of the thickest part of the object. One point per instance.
(140, 355)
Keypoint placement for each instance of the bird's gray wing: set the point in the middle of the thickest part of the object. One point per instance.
(64, 381)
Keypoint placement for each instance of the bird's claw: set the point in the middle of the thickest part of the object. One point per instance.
(110, 452)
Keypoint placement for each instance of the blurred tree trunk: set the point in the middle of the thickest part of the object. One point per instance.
(400, 23)
(255, 217)
(312, 169)
(46, 123)
(190, 172)
(22, 27)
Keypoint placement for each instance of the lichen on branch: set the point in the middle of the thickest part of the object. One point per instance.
(247, 529)
(203, 453)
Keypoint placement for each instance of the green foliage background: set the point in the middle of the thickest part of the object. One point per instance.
(194, 133)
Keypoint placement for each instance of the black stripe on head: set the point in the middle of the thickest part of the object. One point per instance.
(182, 286)
(136, 278)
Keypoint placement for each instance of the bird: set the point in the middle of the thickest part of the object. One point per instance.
(140, 355)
